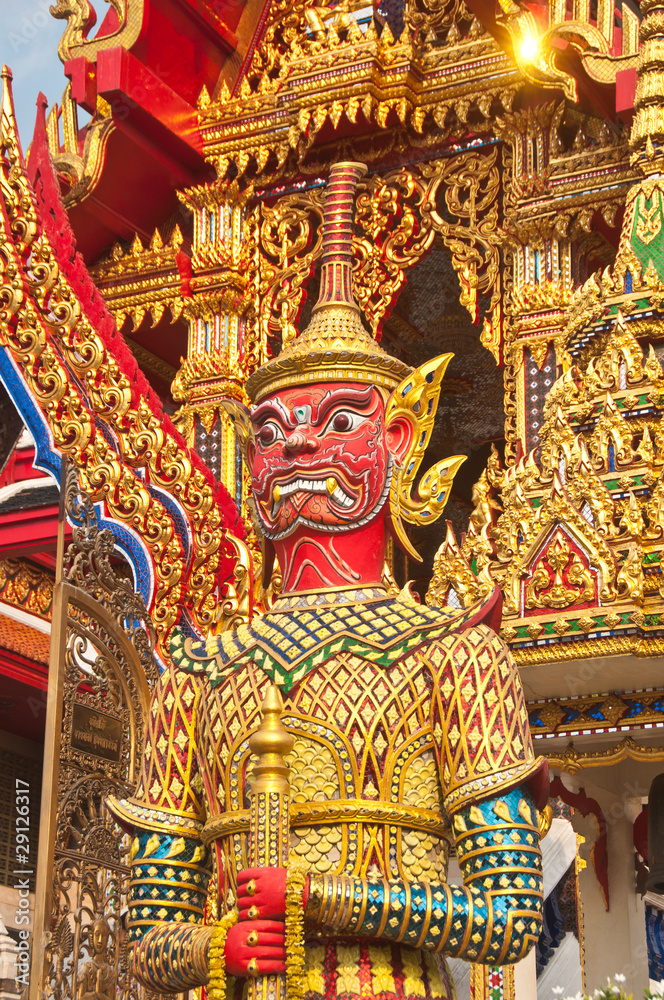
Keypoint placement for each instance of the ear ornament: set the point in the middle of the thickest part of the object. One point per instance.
(416, 400)
(241, 417)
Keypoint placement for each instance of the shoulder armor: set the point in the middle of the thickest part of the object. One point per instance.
(287, 643)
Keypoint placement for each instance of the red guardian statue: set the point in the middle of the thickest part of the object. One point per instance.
(409, 725)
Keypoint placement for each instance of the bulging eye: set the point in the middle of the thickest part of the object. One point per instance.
(269, 433)
(341, 421)
(344, 421)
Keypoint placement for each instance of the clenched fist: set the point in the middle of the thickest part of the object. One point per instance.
(261, 893)
(255, 948)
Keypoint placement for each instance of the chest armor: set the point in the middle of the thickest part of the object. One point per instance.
(365, 794)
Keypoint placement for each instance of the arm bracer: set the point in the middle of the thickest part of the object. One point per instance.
(167, 893)
(495, 917)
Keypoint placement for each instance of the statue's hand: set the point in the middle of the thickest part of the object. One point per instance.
(255, 947)
(264, 889)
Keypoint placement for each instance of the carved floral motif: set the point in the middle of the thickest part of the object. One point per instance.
(560, 578)
(26, 586)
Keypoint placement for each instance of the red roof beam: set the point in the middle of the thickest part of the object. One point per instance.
(25, 531)
(83, 76)
(142, 103)
(21, 669)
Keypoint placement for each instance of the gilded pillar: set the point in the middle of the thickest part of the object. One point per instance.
(548, 257)
(217, 303)
(269, 837)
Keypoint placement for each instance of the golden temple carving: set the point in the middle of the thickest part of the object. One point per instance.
(26, 586)
(560, 578)
(402, 82)
(142, 281)
(580, 525)
(81, 17)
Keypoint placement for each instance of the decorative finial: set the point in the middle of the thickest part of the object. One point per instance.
(336, 345)
(270, 742)
(336, 280)
(6, 98)
(8, 123)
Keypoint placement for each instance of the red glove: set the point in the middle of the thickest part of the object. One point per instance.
(264, 889)
(261, 902)
(259, 942)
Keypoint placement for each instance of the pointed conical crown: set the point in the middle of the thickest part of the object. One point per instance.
(335, 346)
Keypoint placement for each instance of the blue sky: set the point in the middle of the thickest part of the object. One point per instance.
(29, 37)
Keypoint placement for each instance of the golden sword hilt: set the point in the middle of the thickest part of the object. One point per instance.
(268, 823)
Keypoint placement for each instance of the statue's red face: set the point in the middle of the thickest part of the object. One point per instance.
(320, 458)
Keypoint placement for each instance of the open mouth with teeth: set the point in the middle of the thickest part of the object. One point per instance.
(330, 487)
(323, 498)
(300, 491)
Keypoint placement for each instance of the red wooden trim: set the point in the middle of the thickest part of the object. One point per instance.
(599, 854)
(20, 668)
(24, 531)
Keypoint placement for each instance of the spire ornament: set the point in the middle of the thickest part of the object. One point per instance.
(647, 135)
(336, 345)
(643, 230)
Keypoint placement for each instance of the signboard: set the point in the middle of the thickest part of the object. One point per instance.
(96, 733)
